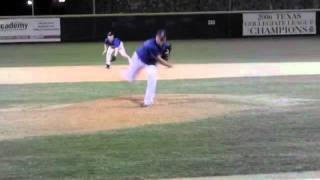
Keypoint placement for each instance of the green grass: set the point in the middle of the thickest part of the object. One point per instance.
(248, 142)
(47, 94)
(191, 51)
(243, 143)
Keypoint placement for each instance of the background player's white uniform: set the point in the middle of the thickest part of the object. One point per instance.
(114, 46)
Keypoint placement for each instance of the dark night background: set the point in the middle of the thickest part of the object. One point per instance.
(45, 7)
(48, 7)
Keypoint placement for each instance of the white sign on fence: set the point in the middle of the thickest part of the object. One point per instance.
(282, 23)
(30, 30)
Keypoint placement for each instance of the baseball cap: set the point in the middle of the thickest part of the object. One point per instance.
(110, 33)
(162, 34)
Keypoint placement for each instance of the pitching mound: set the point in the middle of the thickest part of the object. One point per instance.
(110, 114)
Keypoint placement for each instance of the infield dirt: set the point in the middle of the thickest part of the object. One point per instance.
(70, 74)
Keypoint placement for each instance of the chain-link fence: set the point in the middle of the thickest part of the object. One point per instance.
(138, 6)
(47, 7)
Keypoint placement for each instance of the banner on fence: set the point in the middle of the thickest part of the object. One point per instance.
(30, 30)
(282, 23)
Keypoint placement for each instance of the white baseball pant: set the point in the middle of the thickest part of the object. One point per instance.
(111, 50)
(135, 67)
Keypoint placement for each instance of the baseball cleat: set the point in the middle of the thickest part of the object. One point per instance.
(145, 105)
(107, 66)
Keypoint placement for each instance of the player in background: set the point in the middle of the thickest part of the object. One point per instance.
(146, 57)
(113, 46)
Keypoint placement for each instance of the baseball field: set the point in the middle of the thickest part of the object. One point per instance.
(227, 107)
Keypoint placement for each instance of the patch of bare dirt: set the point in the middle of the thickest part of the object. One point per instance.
(110, 114)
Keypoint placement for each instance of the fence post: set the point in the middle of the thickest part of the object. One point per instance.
(32, 7)
(93, 6)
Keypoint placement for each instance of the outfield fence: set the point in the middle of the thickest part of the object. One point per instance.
(139, 26)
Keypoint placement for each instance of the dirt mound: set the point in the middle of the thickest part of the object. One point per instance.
(110, 114)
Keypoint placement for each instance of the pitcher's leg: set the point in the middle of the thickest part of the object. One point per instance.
(134, 68)
(151, 85)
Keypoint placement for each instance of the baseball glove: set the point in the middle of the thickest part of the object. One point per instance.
(114, 58)
(166, 53)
